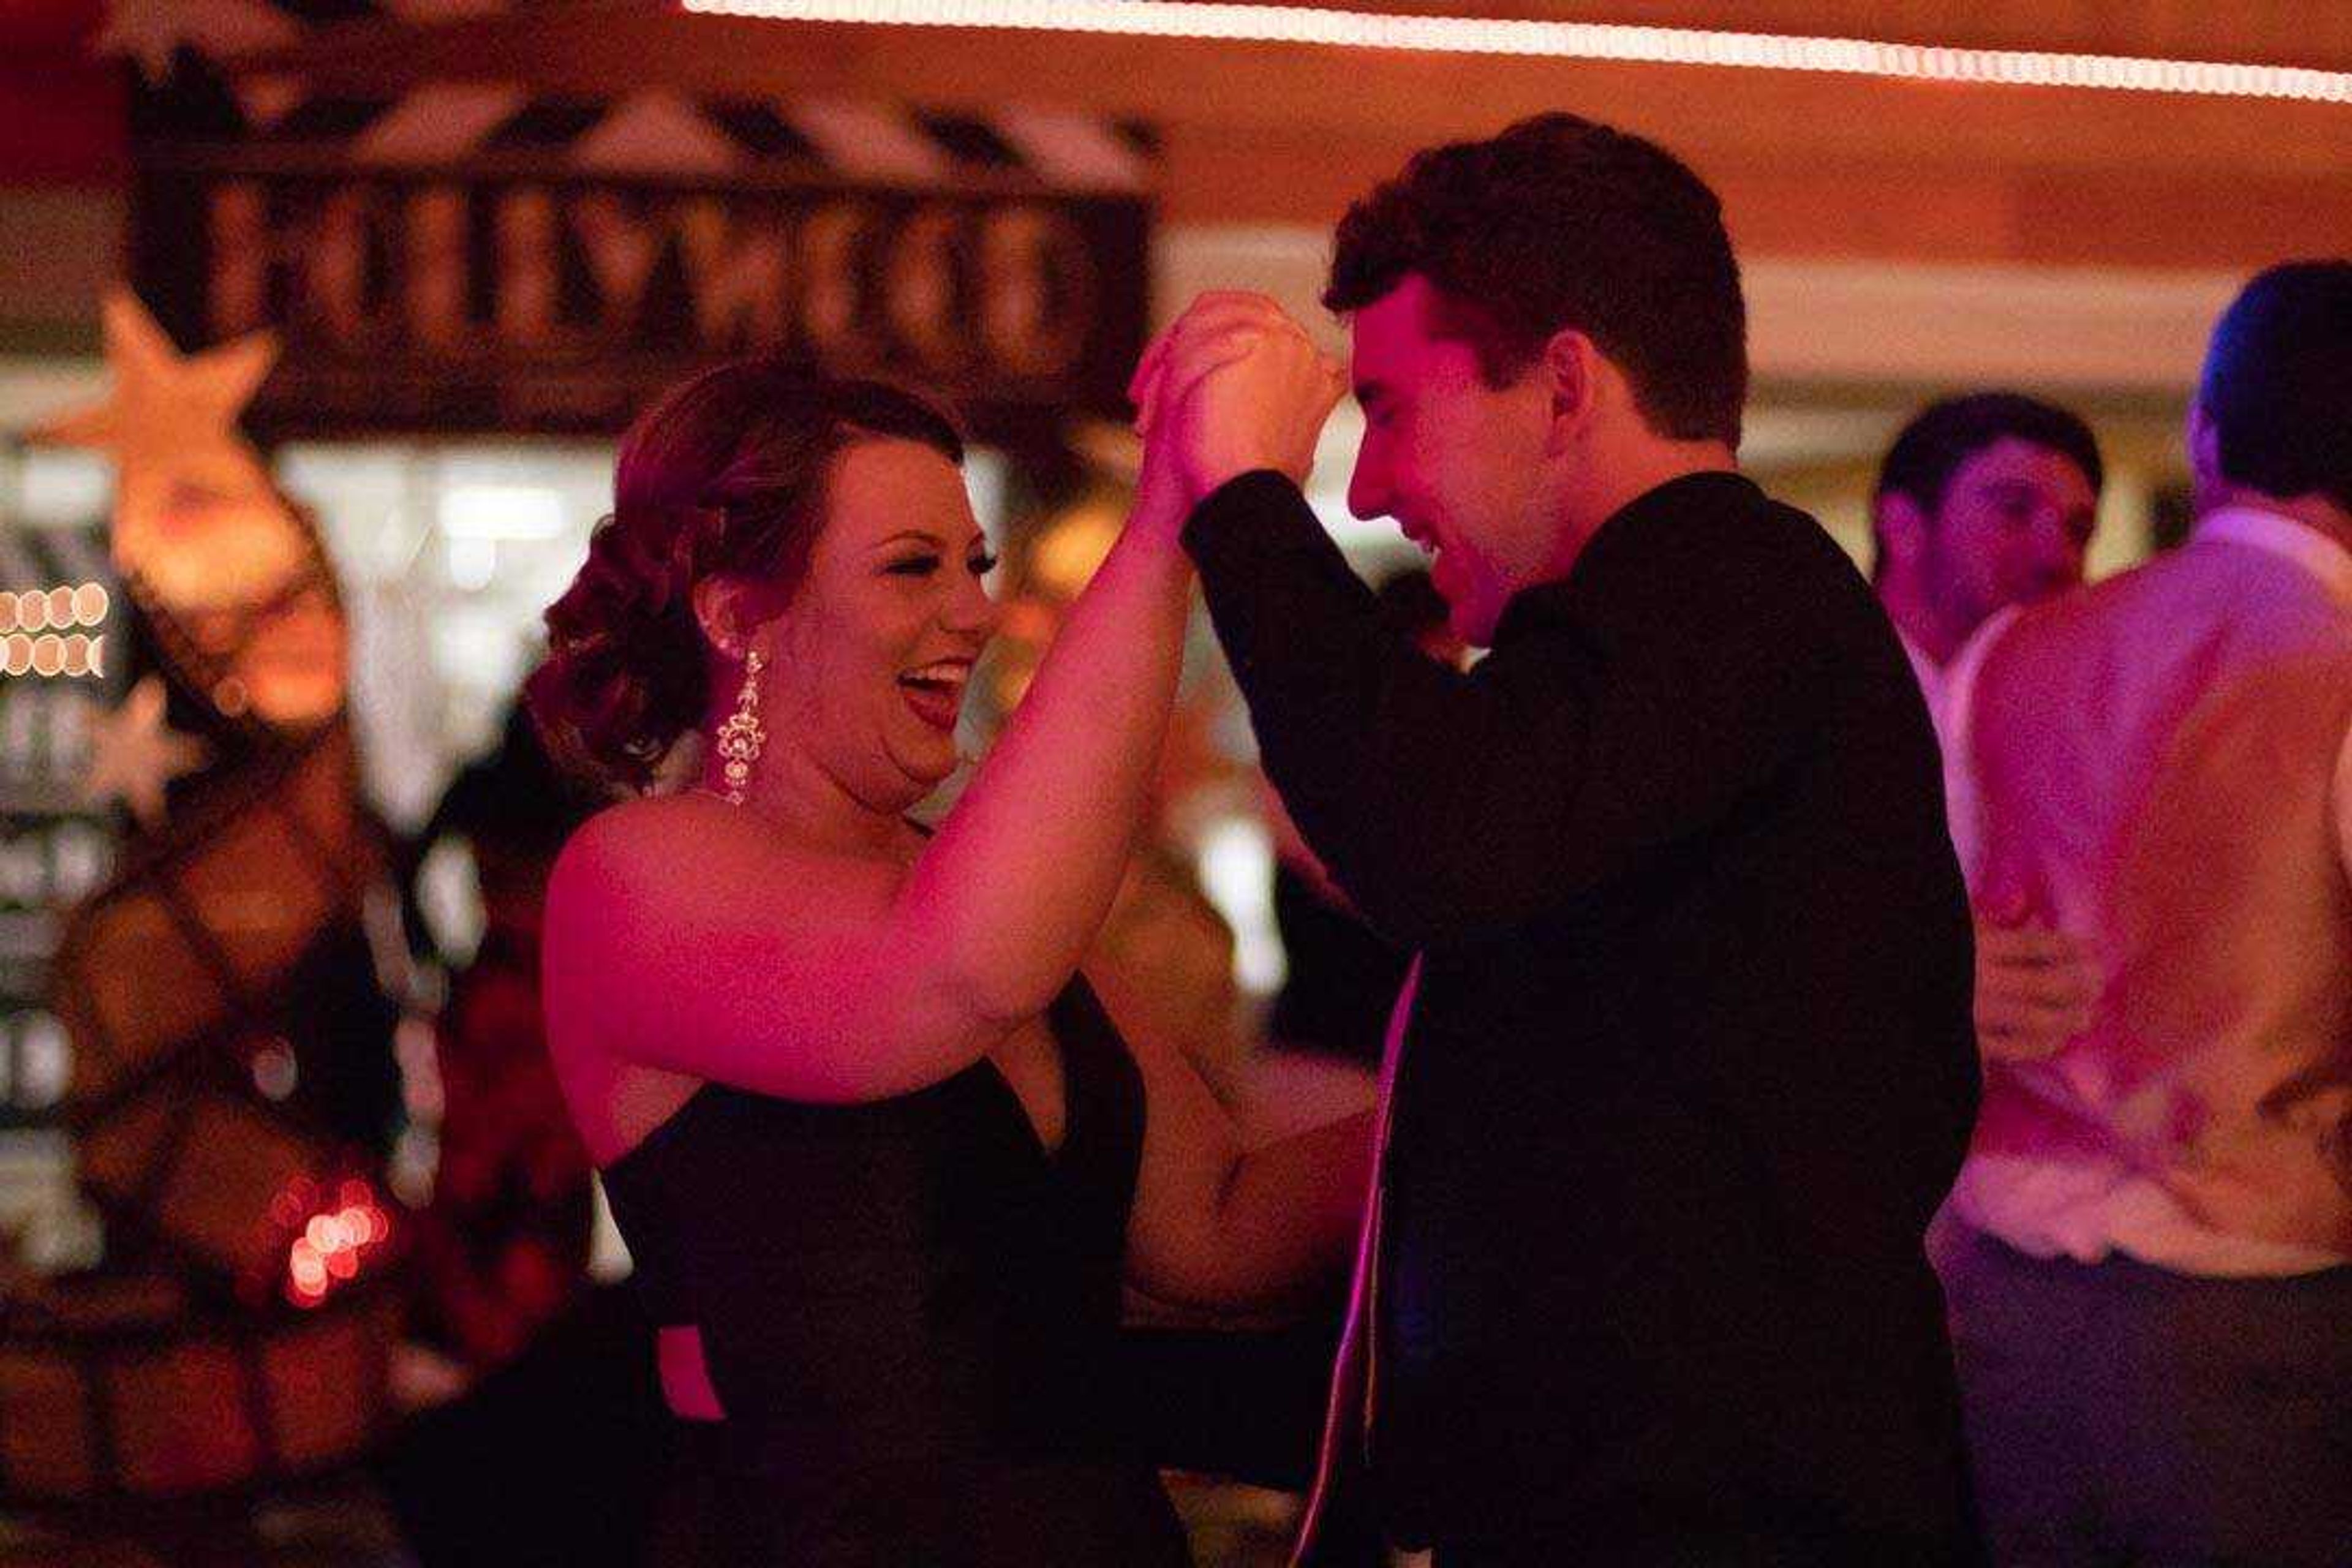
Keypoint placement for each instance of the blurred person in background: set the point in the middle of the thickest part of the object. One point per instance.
(2151, 1301)
(554, 1428)
(1986, 503)
(1983, 502)
(1163, 936)
(881, 1157)
(503, 1246)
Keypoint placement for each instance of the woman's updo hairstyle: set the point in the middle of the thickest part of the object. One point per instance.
(723, 475)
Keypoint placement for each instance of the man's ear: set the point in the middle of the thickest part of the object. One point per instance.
(2204, 439)
(1900, 527)
(1573, 373)
(728, 609)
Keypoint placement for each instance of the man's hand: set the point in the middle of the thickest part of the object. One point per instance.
(2035, 987)
(1234, 385)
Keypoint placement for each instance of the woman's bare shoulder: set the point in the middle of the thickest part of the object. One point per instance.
(700, 940)
(657, 839)
(667, 866)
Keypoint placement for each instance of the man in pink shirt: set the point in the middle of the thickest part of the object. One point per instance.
(2152, 1300)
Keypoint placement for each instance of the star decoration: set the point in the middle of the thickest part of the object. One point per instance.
(152, 31)
(170, 424)
(134, 754)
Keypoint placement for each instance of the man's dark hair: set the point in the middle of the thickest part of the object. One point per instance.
(1559, 224)
(1943, 435)
(2278, 382)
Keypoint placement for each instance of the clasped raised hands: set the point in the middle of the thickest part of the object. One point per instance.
(1232, 385)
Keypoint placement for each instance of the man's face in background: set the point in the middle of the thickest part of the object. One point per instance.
(2012, 527)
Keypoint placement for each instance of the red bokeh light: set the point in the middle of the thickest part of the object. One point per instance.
(330, 1241)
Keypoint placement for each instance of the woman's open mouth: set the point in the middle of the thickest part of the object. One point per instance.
(935, 690)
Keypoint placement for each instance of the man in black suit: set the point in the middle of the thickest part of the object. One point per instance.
(1685, 1064)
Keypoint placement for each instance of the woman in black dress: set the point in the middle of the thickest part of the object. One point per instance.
(880, 1154)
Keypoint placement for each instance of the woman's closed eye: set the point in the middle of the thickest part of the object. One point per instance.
(924, 565)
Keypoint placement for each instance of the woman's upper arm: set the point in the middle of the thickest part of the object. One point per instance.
(1217, 1223)
(1190, 1147)
(690, 940)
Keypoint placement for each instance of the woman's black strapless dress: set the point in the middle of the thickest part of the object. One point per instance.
(909, 1309)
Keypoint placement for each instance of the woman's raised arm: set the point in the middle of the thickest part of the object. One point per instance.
(698, 938)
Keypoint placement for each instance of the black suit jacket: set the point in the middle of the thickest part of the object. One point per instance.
(1691, 1064)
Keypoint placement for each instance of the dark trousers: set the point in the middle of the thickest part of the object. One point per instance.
(1760, 1547)
(2123, 1416)
(1724, 1551)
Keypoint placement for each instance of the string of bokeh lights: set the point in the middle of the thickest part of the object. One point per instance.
(36, 636)
(1570, 40)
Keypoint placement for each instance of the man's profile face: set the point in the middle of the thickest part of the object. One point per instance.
(1457, 463)
(2011, 528)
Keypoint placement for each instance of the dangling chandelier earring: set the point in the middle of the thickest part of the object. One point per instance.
(741, 738)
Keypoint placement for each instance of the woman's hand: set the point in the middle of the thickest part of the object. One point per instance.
(1234, 385)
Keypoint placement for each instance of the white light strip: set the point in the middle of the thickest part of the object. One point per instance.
(1567, 40)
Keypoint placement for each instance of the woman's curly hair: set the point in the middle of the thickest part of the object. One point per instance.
(723, 475)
